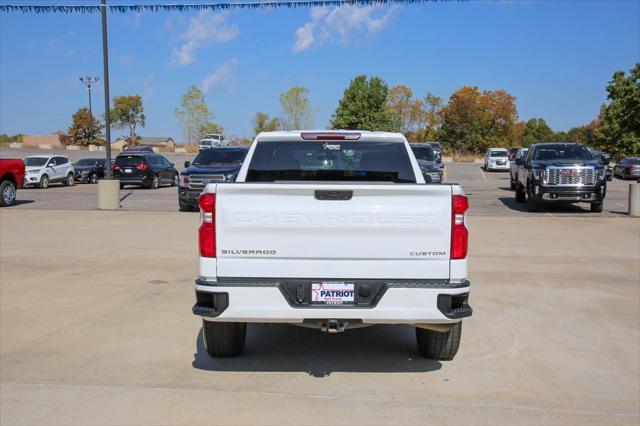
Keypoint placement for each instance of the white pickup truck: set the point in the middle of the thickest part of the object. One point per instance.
(332, 230)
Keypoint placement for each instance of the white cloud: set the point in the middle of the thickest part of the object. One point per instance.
(204, 29)
(70, 53)
(341, 24)
(222, 77)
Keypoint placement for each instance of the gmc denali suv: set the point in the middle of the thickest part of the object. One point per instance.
(560, 173)
(332, 230)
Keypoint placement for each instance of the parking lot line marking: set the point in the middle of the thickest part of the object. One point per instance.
(483, 176)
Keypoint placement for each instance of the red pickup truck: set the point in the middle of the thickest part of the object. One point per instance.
(11, 178)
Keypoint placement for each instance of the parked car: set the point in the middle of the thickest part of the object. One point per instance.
(513, 166)
(11, 178)
(560, 173)
(628, 168)
(427, 162)
(210, 165)
(41, 170)
(212, 140)
(604, 159)
(144, 168)
(496, 159)
(437, 150)
(89, 170)
(332, 230)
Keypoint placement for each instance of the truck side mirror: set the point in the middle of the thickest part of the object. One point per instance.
(187, 164)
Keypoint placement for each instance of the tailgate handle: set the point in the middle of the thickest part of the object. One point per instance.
(334, 195)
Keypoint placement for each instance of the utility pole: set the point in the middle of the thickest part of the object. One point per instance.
(105, 61)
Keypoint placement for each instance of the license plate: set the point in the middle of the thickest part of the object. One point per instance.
(332, 293)
(128, 170)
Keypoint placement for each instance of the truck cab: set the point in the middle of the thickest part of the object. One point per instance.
(212, 140)
(332, 230)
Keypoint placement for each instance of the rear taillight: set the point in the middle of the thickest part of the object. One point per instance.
(142, 166)
(207, 231)
(115, 167)
(459, 231)
(631, 168)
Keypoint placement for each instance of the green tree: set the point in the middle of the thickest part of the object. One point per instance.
(364, 106)
(620, 118)
(85, 129)
(127, 113)
(193, 114)
(210, 128)
(473, 121)
(297, 110)
(263, 123)
(537, 130)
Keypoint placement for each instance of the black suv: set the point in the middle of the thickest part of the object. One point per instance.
(210, 165)
(144, 168)
(560, 173)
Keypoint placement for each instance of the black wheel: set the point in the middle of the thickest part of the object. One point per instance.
(44, 182)
(185, 207)
(623, 176)
(122, 186)
(155, 182)
(93, 178)
(597, 207)
(520, 194)
(441, 346)
(174, 182)
(7, 193)
(224, 339)
(70, 180)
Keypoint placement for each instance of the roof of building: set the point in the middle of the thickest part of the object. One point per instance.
(154, 140)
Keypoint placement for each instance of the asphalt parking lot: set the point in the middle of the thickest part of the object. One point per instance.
(489, 192)
(96, 324)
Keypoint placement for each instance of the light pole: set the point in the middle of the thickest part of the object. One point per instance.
(105, 63)
(88, 81)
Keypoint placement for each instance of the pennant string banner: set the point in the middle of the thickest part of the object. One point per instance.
(188, 7)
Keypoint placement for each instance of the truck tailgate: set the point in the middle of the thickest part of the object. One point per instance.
(283, 230)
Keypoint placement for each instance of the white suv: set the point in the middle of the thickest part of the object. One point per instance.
(496, 159)
(40, 170)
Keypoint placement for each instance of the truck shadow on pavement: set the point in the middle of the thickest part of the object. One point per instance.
(563, 208)
(288, 348)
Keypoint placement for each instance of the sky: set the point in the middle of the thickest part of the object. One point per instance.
(555, 57)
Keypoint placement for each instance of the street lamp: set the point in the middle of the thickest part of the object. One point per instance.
(88, 81)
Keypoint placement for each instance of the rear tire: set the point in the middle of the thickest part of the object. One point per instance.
(93, 178)
(440, 346)
(521, 197)
(7, 193)
(597, 207)
(155, 182)
(224, 339)
(175, 180)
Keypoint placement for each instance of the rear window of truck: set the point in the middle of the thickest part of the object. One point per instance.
(330, 161)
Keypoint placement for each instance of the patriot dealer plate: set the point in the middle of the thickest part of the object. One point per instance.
(332, 293)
